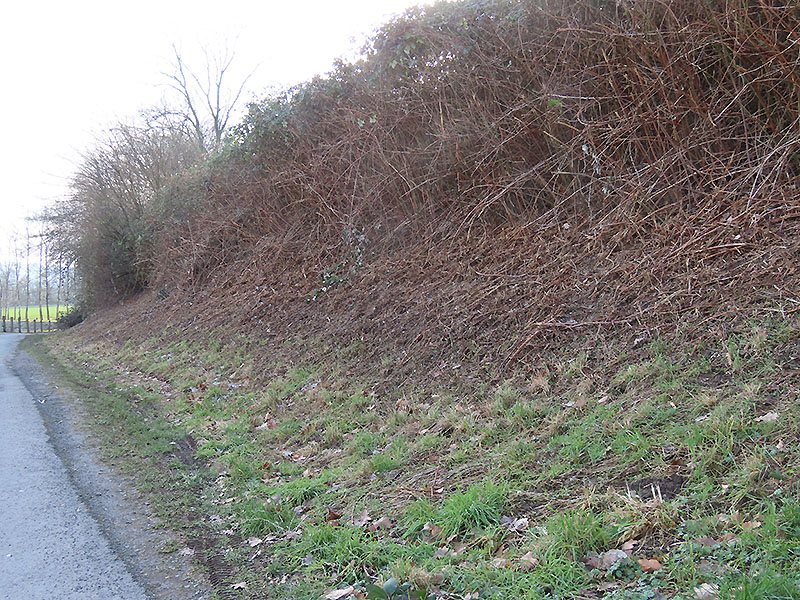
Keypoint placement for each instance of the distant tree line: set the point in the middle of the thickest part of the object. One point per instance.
(38, 280)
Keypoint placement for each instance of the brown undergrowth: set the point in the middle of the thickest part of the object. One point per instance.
(494, 177)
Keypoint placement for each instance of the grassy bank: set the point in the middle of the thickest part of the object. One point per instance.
(667, 469)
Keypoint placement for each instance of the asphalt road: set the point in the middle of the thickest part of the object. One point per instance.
(51, 547)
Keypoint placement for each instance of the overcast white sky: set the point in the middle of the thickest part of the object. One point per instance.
(72, 68)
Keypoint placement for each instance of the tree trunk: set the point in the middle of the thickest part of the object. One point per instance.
(27, 272)
(18, 307)
(58, 285)
(47, 281)
(39, 291)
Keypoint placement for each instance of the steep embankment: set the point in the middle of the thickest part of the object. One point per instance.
(517, 288)
(494, 175)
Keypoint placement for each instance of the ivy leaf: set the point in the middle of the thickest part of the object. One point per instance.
(391, 586)
(374, 592)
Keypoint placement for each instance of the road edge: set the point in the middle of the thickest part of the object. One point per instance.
(121, 512)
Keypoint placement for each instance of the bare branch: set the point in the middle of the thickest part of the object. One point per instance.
(209, 92)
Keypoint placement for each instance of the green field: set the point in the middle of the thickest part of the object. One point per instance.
(33, 312)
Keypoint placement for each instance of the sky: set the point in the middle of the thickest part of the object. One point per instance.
(72, 69)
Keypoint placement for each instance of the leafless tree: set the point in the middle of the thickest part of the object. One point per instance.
(27, 272)
(47, 259)
(207, 100)
(17, 286)
(60, 281)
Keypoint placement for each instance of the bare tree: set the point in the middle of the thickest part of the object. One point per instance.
(41, 265)
(27, 272)
(207, 102)
(47, 259)
(60, 280)
(17, 310)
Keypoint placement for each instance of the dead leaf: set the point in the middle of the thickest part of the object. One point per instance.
(728, 537)
(303, 508)
(591, 561)
(444, 551)
(336, 594)
(362, 519)
(499, 563)
(242, 585)
(403, 406)
(539, 384)
(750, 525)
(186, 552)
(706, 591)
(528, 561)
(612, 557)
(269, 422)
(649, 565)
(382, 523)
(604, 561)
(628, 546)
(254, 541)
(431, 531)
(706, 541)
(513, 524)
(333, 515)
(308, 473)
(769, 417)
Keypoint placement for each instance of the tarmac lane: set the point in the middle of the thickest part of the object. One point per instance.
(51, 548)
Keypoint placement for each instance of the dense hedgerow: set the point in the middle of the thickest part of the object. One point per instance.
(530, 165)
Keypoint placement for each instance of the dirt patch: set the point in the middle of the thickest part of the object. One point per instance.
(653, 488)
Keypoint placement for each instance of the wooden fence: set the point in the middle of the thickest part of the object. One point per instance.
(10, 325)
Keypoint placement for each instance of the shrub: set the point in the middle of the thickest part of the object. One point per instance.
(70, 318)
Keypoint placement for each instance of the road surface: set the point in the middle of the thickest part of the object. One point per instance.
(57, 540)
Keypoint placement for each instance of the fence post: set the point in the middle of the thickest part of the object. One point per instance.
(12, 324)
(4, 323)
(27, 325)
(34, 326)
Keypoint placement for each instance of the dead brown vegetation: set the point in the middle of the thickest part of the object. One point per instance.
(496, 172)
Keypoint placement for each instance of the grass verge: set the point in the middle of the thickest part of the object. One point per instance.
(669, 470)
